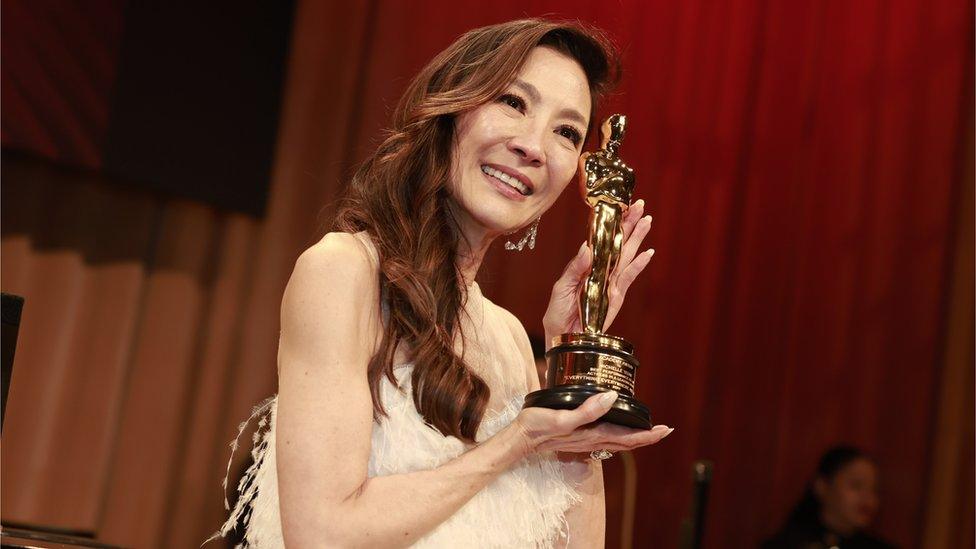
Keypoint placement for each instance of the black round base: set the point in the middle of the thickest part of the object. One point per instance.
(626, 411)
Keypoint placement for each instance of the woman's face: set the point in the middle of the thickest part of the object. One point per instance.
(850, 499)
(513, 156)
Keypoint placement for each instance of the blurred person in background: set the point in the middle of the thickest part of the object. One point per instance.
(837, 507)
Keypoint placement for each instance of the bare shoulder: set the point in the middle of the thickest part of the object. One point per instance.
(337, 253)
(333, 293)
(339, 262)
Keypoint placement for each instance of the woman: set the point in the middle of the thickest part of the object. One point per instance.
(398, 419)
(838, 505)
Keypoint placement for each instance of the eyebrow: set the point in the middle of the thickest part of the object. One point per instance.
(535, 96)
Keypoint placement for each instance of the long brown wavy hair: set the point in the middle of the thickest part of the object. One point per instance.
(399, 197)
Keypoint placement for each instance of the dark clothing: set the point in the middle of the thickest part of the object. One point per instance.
(816, 536)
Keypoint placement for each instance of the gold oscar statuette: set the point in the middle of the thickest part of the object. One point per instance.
(583, 364)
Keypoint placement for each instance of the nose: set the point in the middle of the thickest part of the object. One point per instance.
(527, 143)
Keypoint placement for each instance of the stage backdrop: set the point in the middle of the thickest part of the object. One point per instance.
(809, 169)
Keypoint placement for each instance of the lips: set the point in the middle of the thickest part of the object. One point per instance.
(510, 177)
(504, 189)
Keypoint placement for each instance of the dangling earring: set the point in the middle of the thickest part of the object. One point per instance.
(529, 238)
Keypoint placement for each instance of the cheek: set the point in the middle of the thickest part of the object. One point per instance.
(852, 501)
(462, 141)
(563, 170)
(479, 128)
(467, 136)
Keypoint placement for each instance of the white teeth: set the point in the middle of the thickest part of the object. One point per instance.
(507, 179)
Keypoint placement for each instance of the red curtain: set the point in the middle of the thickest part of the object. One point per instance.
(809, 168)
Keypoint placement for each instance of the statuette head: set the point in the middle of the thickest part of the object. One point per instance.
(613, 131)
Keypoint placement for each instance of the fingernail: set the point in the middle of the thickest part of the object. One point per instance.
(582, 247)
(649, 252)
(608, 397)
(670, 430)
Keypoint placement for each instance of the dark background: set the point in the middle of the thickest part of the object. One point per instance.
(809, 166)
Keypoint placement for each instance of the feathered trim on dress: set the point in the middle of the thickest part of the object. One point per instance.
(247, 486)
(524, 507)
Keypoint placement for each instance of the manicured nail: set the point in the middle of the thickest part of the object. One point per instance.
(608, 397)
(582, 247)
(670, 430)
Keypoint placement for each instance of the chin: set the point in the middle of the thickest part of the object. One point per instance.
(500, 220)
(495, 213)
(500, 226)
(860, 520)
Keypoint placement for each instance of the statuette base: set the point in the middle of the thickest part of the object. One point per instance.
(584, 364)
(626, 411)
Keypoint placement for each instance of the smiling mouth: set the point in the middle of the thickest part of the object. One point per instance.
(507, 179)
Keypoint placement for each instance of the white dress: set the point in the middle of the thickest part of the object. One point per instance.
(524, 506)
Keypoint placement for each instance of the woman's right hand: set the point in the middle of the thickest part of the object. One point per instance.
(543, 429)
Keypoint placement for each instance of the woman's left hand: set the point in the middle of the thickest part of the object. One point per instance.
(562, 316)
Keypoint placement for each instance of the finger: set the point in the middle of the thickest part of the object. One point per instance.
(606, 431)
(637, 436)
(629, 274)
(575, 270)
(636, 439)
(623, 439)
(594, 408)
(631, 217)
(612, 311)
(632, 244)
(621, 283)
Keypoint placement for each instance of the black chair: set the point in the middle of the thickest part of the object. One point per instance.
(11, 306)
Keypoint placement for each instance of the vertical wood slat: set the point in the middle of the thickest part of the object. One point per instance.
(96, 384)
(194, 503)
(165, 354)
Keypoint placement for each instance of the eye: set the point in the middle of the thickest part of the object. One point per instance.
(570, 133)
(513, 101)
